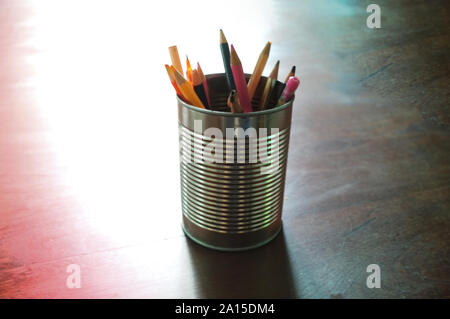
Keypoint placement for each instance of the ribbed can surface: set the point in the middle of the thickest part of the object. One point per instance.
(232, 203)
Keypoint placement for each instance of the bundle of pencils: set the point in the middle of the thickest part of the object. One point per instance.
(193, 89)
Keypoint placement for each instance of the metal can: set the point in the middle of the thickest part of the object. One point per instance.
(233, 205)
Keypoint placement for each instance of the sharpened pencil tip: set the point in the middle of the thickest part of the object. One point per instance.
(266, 49)
(196, 77)
(274, 73)
(222, 37)
(234, 59)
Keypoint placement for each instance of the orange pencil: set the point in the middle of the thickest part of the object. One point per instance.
(188, 70)
(205, 84)
(187, 90)
(171, 74)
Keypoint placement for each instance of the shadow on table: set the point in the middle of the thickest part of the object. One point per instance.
(263, 272)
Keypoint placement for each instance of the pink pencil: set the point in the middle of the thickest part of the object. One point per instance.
(239, 80)
(288, 92)
(205, 84)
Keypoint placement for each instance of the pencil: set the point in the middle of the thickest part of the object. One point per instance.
(257, 72)
(233, 102)
(239, 80)
(172, 80)
(291, 73)
(270, 83)
(283, 85)
(187, 90)
(188, 70)
(205, 83)
(175, 58)
(289, 91)
(198, 87)
(225, 50)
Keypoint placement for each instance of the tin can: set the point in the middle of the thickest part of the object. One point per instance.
(235, 203)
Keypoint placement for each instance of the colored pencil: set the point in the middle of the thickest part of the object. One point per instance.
(283, 85)
(257, 72)
(291, 73)
(198, 87)
(289, 90)
(239, 80)
(205, 83)
(225, 50)
(270, 83)
(188, 91)
(188, 70)
(233, 102)
(172, 80)
(175, 58)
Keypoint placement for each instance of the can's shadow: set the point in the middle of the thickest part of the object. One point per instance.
(264, 272)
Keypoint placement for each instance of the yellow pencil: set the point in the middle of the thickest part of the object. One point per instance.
(175, 58)
(271, 80)
(257, 72)
(187, 90)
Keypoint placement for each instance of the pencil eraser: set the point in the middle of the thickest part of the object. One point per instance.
(292, 84)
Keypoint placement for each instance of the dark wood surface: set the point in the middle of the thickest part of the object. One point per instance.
(89, 162)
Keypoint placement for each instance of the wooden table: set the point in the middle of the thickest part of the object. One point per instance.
(89, 150)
